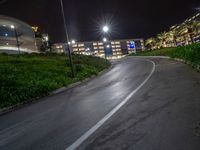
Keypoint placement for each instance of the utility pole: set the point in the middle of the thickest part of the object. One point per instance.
(67, 39)
(17, 40)
(16, 36)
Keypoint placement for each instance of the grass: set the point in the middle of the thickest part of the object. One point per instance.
(189, 53)
(26, 77)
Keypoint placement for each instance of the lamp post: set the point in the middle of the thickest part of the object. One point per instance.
(16, 36)
(105, 30)
(67, 39)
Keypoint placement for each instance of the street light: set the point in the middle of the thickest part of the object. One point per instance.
(73, 41)
(67, 39)
(104, 39)
(105, 29)
(16, 36)
(108, 46)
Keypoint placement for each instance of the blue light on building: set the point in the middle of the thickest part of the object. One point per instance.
(132, 44)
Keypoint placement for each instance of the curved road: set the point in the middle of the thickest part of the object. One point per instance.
(162, 114)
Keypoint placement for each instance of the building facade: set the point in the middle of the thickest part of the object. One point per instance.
(188, 35)
(16, 36)
(114, 49)
(42, 40)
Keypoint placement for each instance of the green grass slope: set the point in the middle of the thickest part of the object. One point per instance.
(26, 77)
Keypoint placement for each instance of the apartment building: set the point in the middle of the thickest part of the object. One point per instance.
(113, 49)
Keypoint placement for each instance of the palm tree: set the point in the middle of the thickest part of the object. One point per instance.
(195, 26)
(151, 42)
(172, 36)
(190, 29)
(158, 44)
(163, 37)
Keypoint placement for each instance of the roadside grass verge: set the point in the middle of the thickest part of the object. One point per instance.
(26, 77)
(190, 53)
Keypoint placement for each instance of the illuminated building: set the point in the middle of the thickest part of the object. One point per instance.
(113, 49)
(42, 40)
(16, 36)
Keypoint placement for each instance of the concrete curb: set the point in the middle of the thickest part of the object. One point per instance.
(60, 90)
(195, 66)
(165, 57)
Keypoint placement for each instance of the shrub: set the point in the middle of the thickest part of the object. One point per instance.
(26, 76)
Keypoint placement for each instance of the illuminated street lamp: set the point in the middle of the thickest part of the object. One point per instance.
(108, 46)
(73, 41)
(16, 36)
(104, 39)
(67, 39)
(105, 29)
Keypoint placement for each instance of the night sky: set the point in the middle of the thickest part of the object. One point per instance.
(127, 18)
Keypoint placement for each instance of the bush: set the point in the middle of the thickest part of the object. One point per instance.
(190, 53)
(26, 76)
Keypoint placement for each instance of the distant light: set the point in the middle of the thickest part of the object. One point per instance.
(46, 38)
(87, 49)
(73, 41)
(7, 43)
(105, 29)
(69, 43)
(108, 46)
(104, 40)
(12, 26)
(6, 34)
(132, 45)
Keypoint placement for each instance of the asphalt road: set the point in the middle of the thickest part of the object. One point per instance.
(162, 115)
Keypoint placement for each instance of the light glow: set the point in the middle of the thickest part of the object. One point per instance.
(12, 26)
(105, 29)
(108, 46)
(104, 40)
(73, 41)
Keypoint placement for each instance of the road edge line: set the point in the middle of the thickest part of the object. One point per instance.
(32, 101)
(87, 134)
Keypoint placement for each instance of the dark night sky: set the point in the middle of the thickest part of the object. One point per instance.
(128, 18)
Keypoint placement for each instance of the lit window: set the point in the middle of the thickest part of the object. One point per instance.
(101, 47)
(100, 43)
(75, 45)
(81, 49)
(75, 49)
(80, 45)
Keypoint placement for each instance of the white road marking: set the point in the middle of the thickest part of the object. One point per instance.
(86, 135)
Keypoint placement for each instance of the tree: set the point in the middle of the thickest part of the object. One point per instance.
(163, 38)
(186, 30)
(172, 36)
(151, 42)
(195, 26)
